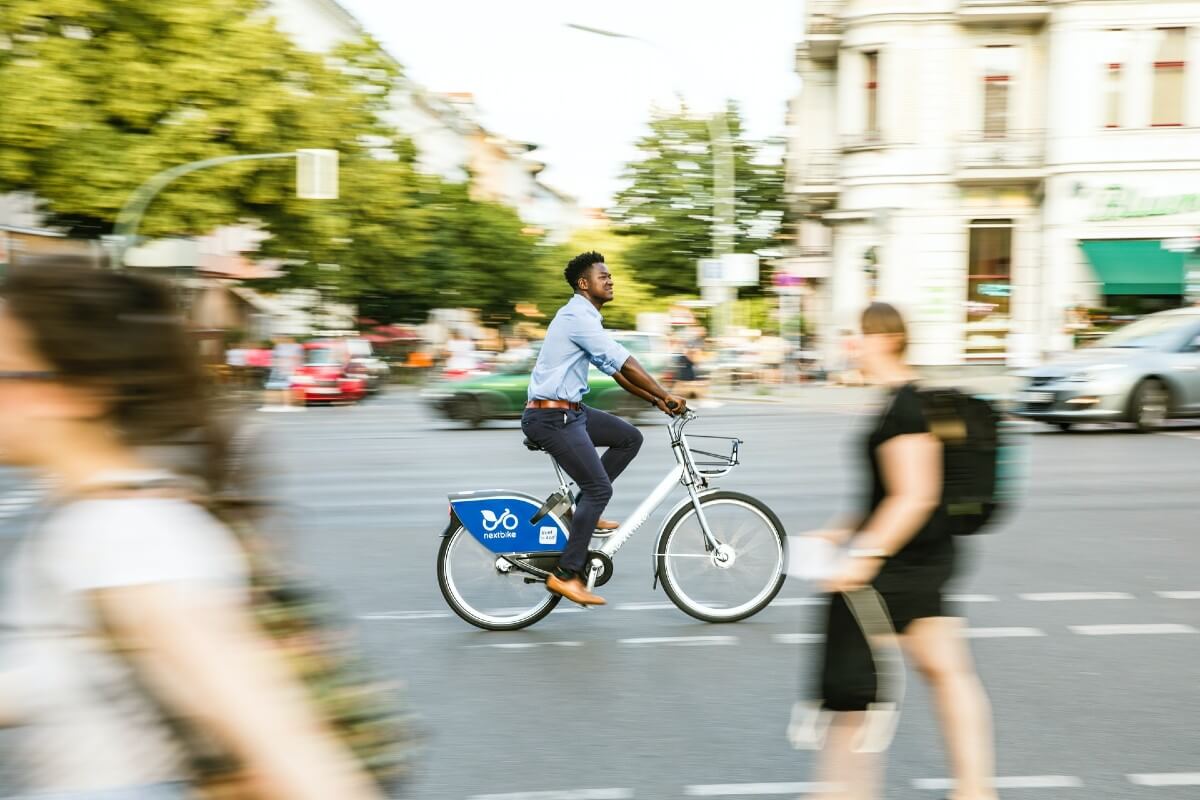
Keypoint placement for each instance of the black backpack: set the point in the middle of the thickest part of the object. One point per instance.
(980, 457)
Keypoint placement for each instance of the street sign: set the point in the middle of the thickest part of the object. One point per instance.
(731, 270)
(317, 174)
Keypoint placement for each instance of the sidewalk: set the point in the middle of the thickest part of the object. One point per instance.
(827, 394)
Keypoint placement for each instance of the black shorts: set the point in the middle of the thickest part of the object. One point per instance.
(847, 680)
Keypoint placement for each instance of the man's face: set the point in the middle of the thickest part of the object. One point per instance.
(598, 283)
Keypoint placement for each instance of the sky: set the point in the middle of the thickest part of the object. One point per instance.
(583, 98)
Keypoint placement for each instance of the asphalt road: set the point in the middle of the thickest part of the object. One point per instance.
(1084, 607)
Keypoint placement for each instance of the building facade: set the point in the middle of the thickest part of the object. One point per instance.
(993, 165)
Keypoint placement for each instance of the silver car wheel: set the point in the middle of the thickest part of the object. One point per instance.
(1151, 402)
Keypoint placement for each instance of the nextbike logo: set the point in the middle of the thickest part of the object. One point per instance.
(508, 521)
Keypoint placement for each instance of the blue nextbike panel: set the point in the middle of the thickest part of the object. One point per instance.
(500, 522)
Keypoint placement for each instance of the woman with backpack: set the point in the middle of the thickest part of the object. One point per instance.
(899, 558)
(127, 618)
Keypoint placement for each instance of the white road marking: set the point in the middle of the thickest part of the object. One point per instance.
(405, 615)
(682, 641)
(1179, 595)
(1165, 779)
(786, 602)
(565, 794)
(1132, 629)
(1002, 633)
(1011, 782)
(1051, 597)
(798, 638)
(755, 789)
(524, 645)
(972, 598)
(644, 606)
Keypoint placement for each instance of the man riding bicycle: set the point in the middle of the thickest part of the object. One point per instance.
(556, 420)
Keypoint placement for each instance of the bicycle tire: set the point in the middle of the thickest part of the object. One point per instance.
(682, 600)
(466, 612)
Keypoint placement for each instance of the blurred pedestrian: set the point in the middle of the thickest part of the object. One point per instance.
(286, 359)
(461, 357)
(127, 611)
(903, 550)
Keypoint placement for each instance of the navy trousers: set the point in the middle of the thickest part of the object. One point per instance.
(572, 437)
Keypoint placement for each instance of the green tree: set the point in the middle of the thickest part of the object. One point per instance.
(98, 95)
(667, 205)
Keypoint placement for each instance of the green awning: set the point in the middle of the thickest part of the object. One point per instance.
(1135, 266)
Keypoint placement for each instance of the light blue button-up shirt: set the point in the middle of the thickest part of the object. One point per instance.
(574, 339)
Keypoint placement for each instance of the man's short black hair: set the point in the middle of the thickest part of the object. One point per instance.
(579, 265)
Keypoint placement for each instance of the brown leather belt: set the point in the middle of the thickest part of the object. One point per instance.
(563, 404)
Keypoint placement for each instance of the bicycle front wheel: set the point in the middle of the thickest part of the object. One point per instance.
(487, 591)
(737, 579)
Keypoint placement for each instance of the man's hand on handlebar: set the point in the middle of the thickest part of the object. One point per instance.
(672, 405)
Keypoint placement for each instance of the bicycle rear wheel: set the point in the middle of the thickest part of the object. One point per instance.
(485, 590)
(741, 576)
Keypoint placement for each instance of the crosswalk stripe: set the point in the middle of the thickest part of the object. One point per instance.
(683, 641)
(1002, 633)
(1051, 597)
(565, 794)
(1125, 629)
(1008, 782)
(753, 789)
(798, 638)
(1165, 779)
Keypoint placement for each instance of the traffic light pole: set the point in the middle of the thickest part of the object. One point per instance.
(130, 217)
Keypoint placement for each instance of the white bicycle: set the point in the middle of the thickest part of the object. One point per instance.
(721, 555)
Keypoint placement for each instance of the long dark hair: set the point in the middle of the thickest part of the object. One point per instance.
(124, 336)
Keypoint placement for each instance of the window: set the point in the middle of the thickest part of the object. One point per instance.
(989, 286)
(1112, 96)
(1114, 76)
(872, 94)
(997, 77)
(1169, 68)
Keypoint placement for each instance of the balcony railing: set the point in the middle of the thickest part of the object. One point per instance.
(1000, 152)
(824, 17)
(816, 173)
(1001, 11)
(866, 140)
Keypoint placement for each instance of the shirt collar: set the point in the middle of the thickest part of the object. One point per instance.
(586, 304)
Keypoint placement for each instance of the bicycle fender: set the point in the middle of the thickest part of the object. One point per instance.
(500, 521)
(685, 502)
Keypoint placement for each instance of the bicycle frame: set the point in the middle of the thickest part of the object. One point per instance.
(684, 472)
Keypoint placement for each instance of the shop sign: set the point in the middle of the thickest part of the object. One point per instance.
(1122, 202)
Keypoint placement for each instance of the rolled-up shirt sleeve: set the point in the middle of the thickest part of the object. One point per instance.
(602, 350)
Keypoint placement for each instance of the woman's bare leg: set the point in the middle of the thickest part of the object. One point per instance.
(940, 653)
(848, 775)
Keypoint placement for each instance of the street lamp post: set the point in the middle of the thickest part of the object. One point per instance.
(724, 178)
(321, 166)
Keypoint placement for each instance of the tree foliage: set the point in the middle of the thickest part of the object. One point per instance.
(99, 95)
(667, 206)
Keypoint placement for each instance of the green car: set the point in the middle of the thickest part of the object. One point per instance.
(502, 394)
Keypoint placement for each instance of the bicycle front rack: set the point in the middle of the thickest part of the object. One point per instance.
(714, 464)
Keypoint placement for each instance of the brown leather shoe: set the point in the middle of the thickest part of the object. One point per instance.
(574, 590)
(605, 528)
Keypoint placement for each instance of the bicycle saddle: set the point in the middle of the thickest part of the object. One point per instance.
(532, 445)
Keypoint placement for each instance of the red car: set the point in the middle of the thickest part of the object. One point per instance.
(323, 377)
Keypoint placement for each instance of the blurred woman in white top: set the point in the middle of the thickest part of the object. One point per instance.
(96, 370)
